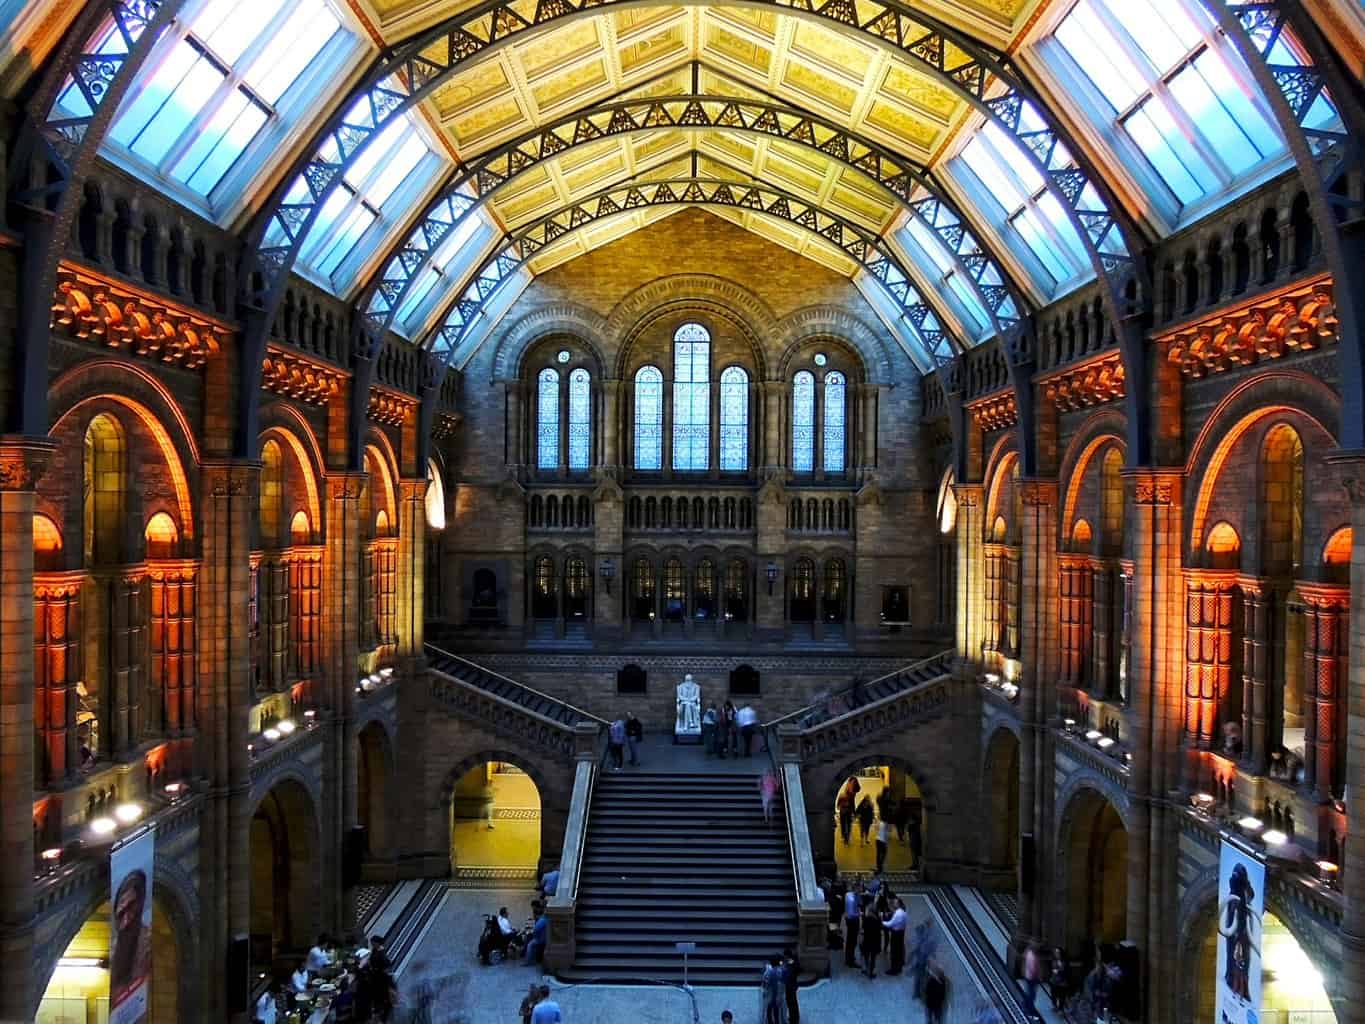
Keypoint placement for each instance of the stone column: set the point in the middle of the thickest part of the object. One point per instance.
(1350, 1006)
(56, 670)
(869, 393)
(1037, 653)
(1155, 700)
(1073, 607)
(1099, 630)
(1255, 674)
(1324, 649)
(1208, 655)
(515, 392)
(971, 571)
(774, 451)
(229, 506)
(22, 461)
(342, 613)
(611, 432)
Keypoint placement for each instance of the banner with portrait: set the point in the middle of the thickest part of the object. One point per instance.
(130, 932)
(1241, 906)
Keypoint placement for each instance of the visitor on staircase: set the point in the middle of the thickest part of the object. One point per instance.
(866, 814)
(708, 729)
(635, 733)
(791, 976)
(616, 742)
(768, 786)
(848, 797)
(729, 738)
(747, 720)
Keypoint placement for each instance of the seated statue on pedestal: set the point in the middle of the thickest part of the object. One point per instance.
(688, 723)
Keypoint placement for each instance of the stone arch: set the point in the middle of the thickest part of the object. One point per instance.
(825, 321)
(174, 896)
(1091, 862)
(558, 318)
(1266, 394)
(717, 296)
(1004, 458)
(285, 863)
(553, 802)
(1104, 427)
(383, 490)
(76, 389)
(376, 789)
(526, 764)
(307, 469)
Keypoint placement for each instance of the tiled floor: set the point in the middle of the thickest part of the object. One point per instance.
(514, 840)
(473, 994)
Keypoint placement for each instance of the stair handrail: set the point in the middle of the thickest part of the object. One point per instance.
(809, 900)
(562, 909)
(770, 727)
(584, 715)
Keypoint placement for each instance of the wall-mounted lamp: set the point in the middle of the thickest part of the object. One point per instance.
(772, 576)
(607, 570)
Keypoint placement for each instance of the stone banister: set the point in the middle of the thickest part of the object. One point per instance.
(561, 947)
(812, 911)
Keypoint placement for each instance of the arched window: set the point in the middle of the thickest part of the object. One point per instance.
(1282, 501)
(704, 590)
(547, 419)
(301, 531)
(642, 587)
(834, 423)
(161, 536)
(803, 591)
(537, 510)
(544, 603)
(580, 419)
(435, 498)
(575, 588)
(835, 588)
(584, 512)
(691, 397)
(734, 420)
(552, 511)
(649, 418)
(675, 594)
(1111, 502)
(272, 494)
(737, 591)
(803, 422)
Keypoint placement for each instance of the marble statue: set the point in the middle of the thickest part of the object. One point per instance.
(689, 709)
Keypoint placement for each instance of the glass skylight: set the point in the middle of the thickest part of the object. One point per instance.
(1175, 87)
(933, 259)
(215, 82)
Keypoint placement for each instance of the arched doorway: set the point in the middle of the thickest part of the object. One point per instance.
(893, 796)
(495, 824)
(1291, 984)
(1096, 896)
(78, 990)
(1001, 782)
(374, 794)
(285, 875)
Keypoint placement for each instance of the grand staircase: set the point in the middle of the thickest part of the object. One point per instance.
(682, 857)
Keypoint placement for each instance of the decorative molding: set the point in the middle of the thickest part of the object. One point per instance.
(996, 412)
(390, 407)
(293, 375)
(23, 462)
(91, 306)
(1299, 317)
(1093, 382)
(444, 425)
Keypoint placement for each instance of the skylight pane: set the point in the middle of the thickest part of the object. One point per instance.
(1241, 112)
(292, 49)
(1163, 29)
(134, 117)
(1155, 147)
(206, 141)
(1038, 242)
(190, 96)
(1192, 92)
(1100, 56)
(396, 169)
(355, 225)
(983, 165)
(228, 27)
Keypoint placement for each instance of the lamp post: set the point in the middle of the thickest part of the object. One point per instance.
(607, 570)
(772, 576)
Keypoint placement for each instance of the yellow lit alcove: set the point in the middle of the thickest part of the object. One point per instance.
(495, 824)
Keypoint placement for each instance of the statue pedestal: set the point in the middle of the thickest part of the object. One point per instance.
(685, 735)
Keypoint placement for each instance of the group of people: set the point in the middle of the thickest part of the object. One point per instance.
(539, 1007)
(1067, 981)
(726, 730)
(868, 920)
(779, 1004)
(887, 814)
(361, 980)
(622, 734)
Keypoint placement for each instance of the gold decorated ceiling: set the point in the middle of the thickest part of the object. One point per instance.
(657, 50)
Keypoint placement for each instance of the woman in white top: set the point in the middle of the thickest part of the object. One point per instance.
(298, 981)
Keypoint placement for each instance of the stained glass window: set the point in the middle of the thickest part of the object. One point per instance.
(803, 422)
(1175, 86)
(547, 419)
(734, 420)
(834, 423)
(649, 418)
(214, 83)
(691, 397)
(580, 418)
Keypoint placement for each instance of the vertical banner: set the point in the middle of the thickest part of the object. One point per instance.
(1241, 903)
(130, 935)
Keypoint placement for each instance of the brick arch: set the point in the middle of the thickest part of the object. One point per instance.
(717, 296)
(1003, 457)
(156, 410)
(829, 792)
(1266, 394)
(825, 321)
(544, 788)
(1097, 429)
(1082, 787)
(558, 318)
(286, 432)
(993, 764)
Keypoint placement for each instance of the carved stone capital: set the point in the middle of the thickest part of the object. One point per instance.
(1038, 492)
(345, 486)
(231, 479)
(968, 495)
(1157, 487)
(1349, 467)
(413, 489)
(23, 460)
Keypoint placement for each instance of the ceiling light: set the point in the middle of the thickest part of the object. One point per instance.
(128, 813)
(103, 826)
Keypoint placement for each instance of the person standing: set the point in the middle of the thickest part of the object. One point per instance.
(547, 1010)
(729, 741)
(853, 910)
(883, 837)
(1031, 968)
(616, 743)
(791, 976)
(935, 993)
(747, 720)
(267, 1006)
(773, 993)
(895, 929)
(865, 816)
(871, 941)
(635, 734)
(848, 795)
(528, 1002)
(767, 787)
(708, 729)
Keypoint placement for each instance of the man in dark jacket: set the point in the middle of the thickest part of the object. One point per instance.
(635, 732)
(791, 970)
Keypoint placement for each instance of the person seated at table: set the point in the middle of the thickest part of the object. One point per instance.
(298, 981)
(266, 1006)
(535, 949)
(549, 883)
(318, 957)
(378, 958)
